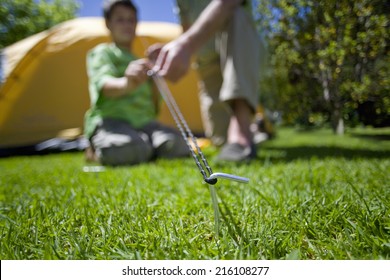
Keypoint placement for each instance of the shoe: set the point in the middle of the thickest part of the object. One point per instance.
(237, 153)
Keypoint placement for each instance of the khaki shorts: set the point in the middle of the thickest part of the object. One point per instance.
(116, 142)
(229, 70)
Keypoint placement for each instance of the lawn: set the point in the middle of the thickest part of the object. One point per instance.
(312, 195)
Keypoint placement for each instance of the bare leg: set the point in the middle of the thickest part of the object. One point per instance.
(239, 127)
(239, 146)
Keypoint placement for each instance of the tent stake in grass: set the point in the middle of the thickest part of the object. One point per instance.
(209, 177)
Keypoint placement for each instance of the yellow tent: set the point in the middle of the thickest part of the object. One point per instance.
(45, 92)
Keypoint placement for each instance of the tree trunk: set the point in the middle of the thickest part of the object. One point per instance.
(332, 98)
(337, 121)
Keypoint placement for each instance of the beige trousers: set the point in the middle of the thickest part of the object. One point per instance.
(229, 69)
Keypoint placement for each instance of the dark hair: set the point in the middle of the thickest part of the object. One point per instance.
(109, 5)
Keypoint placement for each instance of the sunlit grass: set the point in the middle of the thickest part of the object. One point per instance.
(312, 195)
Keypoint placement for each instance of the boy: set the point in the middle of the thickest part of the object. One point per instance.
(121, 122)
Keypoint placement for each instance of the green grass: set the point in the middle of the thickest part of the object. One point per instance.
(312, 195)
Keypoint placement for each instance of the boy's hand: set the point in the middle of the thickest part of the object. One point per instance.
(136, 73)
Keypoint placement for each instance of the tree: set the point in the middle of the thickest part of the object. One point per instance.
(331, 56)
(22, 18)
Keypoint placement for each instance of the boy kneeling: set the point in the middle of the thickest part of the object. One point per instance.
(121, 123)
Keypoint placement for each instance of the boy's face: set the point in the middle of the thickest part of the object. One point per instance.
(122, 24)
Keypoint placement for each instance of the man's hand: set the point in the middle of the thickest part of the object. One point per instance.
(173, 59)
(153, 51)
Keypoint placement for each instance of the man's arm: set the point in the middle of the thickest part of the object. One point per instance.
(209, 22)
(174, 58)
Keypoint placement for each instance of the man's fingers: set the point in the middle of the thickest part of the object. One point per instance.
(159, 66)
(153, 52)
(173, 71)
(165, 68)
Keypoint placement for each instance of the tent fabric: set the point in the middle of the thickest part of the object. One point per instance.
(45, 88)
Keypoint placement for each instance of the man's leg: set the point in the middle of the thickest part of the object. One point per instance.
(240, 121)
(117, 143)
(240, 57)
(215, 113)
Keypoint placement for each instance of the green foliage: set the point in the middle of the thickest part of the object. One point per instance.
(328, 57)
(22, 18)
(333, 191)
